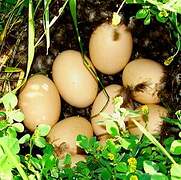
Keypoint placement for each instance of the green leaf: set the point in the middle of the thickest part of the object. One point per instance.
(161, 18)
(43, 129)
(35, 162)
(18, 127)
(122, 167)
(3, 125)
(150, 167)
(175, 171)
(147, 19)
(82, 141)
(112, 128)
(159, 176)
(176, 147)
(105, 175)
(142, 13)
(9, 101)
(11, 131)
(40, 142)
(24, 139)
(67, 160)
(17, 116)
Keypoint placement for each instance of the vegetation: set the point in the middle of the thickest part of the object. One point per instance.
(123, 156)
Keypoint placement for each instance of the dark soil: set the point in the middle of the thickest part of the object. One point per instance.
(153, 42)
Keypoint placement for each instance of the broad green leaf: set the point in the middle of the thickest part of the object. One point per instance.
(36, 163)
(18, 127)
(159, 176)
(105, 174)
(43, 129)
(17, 116)
(142, 13)
(40, 142)
(122, 167)
(67, 160)
(3, 124)
(82, 141)
(9, 101)
(161, 18)
(150, 167)
(11, 143)
(112, 128)
(11, 131)
(147, 20)
(176, 147)
(24, 139)
(175, 171)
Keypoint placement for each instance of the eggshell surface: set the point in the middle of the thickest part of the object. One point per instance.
(144, 77)
(110, 48)
(99, 103)
(66, 131)
(40, 102)
(75, 83)
(154, 121)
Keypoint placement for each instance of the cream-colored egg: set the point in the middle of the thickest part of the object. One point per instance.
(75, 83)
(153, 123)
(110, 48)
(40, 102)
(144, 77)
(63, 135)
(99, 103)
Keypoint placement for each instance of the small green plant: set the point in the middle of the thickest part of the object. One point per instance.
(125, 156)
(165, 11)
(13, 164)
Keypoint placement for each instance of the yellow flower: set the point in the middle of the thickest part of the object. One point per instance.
(111, 156)
(132, 161)
(133, 177)
(132, 164)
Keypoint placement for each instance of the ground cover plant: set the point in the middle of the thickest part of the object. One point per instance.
(32, 33)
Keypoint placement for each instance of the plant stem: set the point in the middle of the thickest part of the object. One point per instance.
(153, 140)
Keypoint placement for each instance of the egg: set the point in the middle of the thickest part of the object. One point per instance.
(110, 48)
(113, 91)
(103, 139)
(63, 134)
(39, 100)
(76, 84)
(145, 79)
(154, 121)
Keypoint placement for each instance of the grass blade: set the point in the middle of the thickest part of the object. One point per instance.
(47, 19)
(73, 11)
(31, 38)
